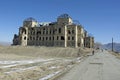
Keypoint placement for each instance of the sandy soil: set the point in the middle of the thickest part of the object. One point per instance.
(37, 63)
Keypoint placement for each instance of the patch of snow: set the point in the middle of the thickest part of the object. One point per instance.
(50, 75)
(15, 63)
(78, 61)
(79, 58)
(8, 66)
(53, 67)
(21, 69)
(24, 61)
(9, 62)
(47, 62)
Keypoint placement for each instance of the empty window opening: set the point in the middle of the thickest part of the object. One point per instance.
(79, 44)
(43, 28)
(72, 38)
(69, 32)
(39, 38)
(68, 38)
(73, 31)
(39, 32)
(53, 38)
(57, 37)
(46, 32)
(49, 38)
(53, 31)
(32, 29)
(24, 38)
(43, 32)
(62, 38)
(59, 30)
(23, 31)
(50, 31)
(46, 38)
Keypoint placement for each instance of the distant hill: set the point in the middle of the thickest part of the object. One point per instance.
(5, 43)
(116, 46)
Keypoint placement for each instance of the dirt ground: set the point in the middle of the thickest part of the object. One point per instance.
(115, 54)
(100, 66)
(37, 63)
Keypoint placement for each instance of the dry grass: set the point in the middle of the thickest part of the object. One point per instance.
(116, 54)
(62, 58)
(43, 51)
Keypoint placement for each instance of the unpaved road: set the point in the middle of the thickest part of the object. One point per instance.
(101, 66)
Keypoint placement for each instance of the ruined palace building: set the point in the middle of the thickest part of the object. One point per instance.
(62, 33)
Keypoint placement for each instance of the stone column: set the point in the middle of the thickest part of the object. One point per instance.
(65, 32)
(35, 35)
(76, 37)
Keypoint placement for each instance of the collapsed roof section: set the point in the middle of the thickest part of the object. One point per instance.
(64, 16)
(31, 19)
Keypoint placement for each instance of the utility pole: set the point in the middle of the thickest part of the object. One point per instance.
(112, 44)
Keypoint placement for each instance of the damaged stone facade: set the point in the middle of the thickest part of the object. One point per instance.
(89, 42)
(62, 33)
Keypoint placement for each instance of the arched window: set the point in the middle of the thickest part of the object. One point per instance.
(25, 38)
(38, 32)
(69, 32)
(24, 31)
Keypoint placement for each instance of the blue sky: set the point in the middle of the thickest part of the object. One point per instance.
(101, 18)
